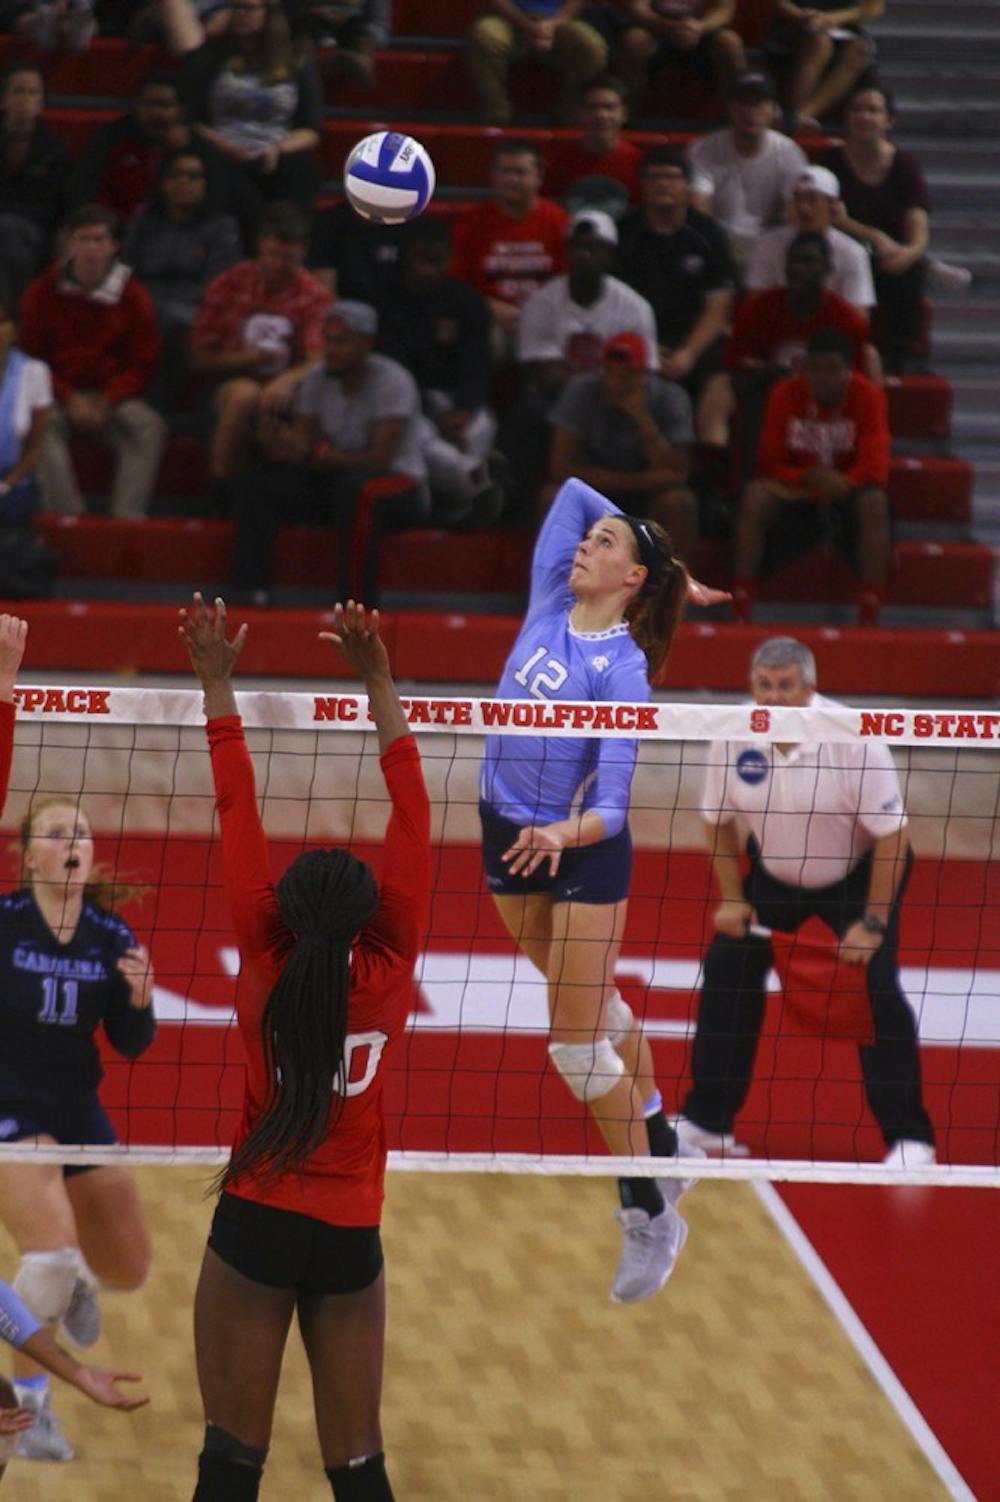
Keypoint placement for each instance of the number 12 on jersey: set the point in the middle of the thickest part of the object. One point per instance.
(551, 677)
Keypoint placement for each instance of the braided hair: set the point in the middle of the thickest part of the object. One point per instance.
(325, 897)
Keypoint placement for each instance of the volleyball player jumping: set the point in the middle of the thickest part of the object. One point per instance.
(67, 965)
(328, 961)
(606, 598)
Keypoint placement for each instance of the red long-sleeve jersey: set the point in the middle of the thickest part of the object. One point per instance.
(342, 1183)
(798, 435)
(7, 713)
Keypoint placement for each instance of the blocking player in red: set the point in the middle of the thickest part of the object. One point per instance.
(327, 957)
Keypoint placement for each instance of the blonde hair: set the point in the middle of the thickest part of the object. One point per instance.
(276, 55)
(103, 887)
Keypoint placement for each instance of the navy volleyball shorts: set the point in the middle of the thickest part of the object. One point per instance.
(597, 874)
(284, 1249)
(69, 1121)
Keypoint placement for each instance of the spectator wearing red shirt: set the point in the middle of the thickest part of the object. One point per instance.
(327, 982)
(598, 168)
(256, 333)
(94, 325)
(772, 329)
(507, 248)
(825, 442)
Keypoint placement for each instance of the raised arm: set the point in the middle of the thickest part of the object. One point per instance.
(13, 636)
(250, 891)
(404, 888)
(365, 650)
(573, 512)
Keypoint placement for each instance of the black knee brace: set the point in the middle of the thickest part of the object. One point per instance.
(228, 1470)
(361, 1481)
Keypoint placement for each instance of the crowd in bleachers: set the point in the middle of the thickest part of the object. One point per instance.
(637, 314)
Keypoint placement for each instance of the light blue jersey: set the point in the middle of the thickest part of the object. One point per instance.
(541, 779)
(17, 1323)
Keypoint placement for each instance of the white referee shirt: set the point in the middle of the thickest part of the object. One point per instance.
(815, 812)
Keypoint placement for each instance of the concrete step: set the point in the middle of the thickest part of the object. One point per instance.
(965, 188)
(973, 394)
(951, 117)
(974, 427)
(935, 155)
(958, 349)
(905, 15)
(967, 312)
(925, 41)
(972, 81)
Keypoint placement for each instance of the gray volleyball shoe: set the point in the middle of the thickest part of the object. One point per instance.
(650, 1247)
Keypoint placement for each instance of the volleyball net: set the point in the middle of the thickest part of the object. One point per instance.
(469, 1086)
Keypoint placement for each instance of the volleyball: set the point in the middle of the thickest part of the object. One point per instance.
(389, 178)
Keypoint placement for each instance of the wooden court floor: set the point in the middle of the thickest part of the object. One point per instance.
(511, 1376)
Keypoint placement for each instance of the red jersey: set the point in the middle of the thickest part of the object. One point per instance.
(6, 748)
(342, 1183)
(509, 258)
(574, 161)
(765, 328)
(102, 340)
(798, 435)
(239, 307)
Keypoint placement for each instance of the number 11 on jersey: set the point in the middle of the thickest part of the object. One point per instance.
(51, 1011)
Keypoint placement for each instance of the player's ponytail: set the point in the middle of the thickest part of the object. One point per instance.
(656, 611)
(326, 897)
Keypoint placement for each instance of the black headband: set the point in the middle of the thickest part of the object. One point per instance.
(649, 553)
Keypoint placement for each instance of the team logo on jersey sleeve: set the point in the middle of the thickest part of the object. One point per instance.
(752, 767)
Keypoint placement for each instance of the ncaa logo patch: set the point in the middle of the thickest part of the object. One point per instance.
(752, 767)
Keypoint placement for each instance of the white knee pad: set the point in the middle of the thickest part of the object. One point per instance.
(589, 1069)
(620, 1019)
(45, 1281)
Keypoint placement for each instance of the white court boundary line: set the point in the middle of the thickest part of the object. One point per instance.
(857, 1333)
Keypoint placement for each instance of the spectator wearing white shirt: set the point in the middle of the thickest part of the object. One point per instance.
(743, 175)
(563, 329)
(824, 830)
(814, 198)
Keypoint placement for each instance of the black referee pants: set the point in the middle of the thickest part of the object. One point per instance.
(731, 1009)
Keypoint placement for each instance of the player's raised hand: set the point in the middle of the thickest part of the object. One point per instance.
(702, 594)
(359, 641)
(98, 1382)
(135, 966)
(13, 636)
(203, 632)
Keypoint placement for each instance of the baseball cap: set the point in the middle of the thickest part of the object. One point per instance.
(753, 83)
(359, 317)
(628, 347)
(817, 180)
(596, 220)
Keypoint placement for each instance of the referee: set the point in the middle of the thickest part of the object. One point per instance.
(824, 828)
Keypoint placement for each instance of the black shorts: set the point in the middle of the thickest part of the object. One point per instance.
(597, 874)
(284, 1249)
(806, 524)
(70, 1122)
